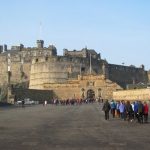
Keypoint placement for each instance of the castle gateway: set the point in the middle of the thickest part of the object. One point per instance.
(88, 86)
(76, 74)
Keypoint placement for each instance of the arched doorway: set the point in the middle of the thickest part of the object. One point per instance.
(90, 94)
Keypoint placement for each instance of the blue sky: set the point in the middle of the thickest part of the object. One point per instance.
(118, 29)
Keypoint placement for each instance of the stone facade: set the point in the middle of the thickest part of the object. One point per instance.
(124, 75)
(132, 95)
(43, 68)
(20, 61)
(89, 86)
(83, 53)
(149, 76)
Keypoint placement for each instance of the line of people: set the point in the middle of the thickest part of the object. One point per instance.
(72, 101)
(127, 111)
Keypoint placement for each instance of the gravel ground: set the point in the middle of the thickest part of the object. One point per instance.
(69, 128)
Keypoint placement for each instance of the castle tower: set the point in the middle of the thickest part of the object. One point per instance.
(5, 47)
(40, 43)
(1, 48)
(53, 50)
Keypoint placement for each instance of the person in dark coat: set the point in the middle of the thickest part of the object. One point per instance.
(106, 109)
(136, 110)
(140, 112)
(23, 102)
(129, 111)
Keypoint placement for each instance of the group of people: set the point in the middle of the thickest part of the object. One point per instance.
(137, 110)
(72, 101)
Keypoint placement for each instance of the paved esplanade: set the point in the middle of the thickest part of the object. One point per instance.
(69, 128)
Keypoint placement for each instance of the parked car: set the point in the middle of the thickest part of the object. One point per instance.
(27, 101)
(19, 102)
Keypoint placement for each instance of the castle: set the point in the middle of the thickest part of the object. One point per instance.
(76, 74)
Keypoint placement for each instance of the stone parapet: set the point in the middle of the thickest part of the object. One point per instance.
(136, 94)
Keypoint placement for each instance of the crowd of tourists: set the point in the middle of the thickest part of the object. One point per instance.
(72, 101)
(130, 111)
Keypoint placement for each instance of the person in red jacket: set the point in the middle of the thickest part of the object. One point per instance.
(146, 112)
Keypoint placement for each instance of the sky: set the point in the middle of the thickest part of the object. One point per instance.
(117, 29)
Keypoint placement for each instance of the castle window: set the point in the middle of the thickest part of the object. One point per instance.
(46, 58)
(83, 69)
(90, 83)
(36, 60)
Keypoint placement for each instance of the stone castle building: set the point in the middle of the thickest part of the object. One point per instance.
(76, 74)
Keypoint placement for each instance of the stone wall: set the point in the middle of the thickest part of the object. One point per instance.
(79, 87)
(149, 76)
(82, 53)
(20, 62)
(48, 67)
(136, 94)
(34, 94)
(3, 71)
(16, 72)
(126, 74)
(75, 53)
(58, 69)
(47, 73)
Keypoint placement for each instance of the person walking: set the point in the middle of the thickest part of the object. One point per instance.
(129, 111)
(106, 108)
(140, 112)
(122, 109)
(136, 110)
(45, 103)
(113, 108)
(146, 112)
(117, 109)
(23, 103)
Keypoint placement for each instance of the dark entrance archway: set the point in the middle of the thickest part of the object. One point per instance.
(90, 94)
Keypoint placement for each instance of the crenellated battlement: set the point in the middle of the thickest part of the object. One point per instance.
(84, 53)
